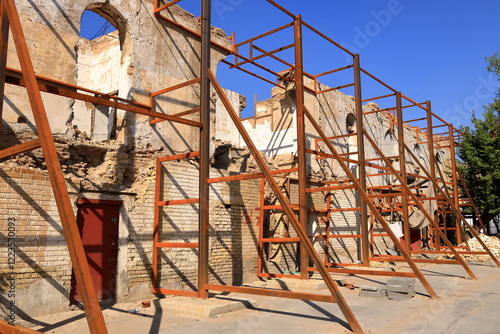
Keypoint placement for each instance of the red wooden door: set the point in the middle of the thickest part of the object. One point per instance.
(98, 224)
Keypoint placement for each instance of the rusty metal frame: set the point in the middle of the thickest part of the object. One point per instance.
(299, 85)
(336, 296)
(203, 233)
(359, 184)
(445, 197)
(432, 177)
(370, 204)
(452, 133)
(456, 210)
(154, 120)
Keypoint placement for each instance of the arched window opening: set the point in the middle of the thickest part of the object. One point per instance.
(100, 19)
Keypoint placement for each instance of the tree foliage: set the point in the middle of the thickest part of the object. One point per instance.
(480, 154)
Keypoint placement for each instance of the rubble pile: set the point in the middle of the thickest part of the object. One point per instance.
(492, 242)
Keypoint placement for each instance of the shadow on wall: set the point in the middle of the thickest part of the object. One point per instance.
(52, 29)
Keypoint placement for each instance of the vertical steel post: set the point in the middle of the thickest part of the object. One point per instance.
(454, 180)
(203, 233)
(301, 142)
(365, 240)
(372, 237)
(4, 39)
(327, 225)
(90, 302)
(432, 167)
(402, 169)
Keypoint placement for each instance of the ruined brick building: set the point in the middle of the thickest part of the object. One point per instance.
(109, 157)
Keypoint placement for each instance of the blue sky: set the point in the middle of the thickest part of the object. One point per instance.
(427, 49)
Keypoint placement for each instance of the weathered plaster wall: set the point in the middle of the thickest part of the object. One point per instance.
(154, 55)
(98, 68)
(273, 127)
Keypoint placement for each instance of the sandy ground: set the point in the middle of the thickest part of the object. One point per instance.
(465, 306)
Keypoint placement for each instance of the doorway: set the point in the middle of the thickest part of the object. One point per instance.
(98, 225)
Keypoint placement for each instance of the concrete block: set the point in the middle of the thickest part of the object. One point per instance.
(400, 288)
(402, 281)
(372, 292)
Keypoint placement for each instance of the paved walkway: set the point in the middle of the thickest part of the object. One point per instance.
(465, 306)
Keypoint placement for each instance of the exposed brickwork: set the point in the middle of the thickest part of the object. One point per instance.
(27, 199)
(139, 243)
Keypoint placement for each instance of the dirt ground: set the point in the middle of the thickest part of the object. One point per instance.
(464, 306)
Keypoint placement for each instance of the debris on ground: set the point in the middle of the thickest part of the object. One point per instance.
(492, 242)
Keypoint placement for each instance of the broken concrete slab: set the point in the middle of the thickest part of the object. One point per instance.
(203, 308)
(403, 281)
(396, 295)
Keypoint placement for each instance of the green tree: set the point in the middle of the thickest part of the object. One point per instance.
(480, 154)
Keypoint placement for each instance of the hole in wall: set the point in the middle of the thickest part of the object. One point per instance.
(350, 123)
(99, 62)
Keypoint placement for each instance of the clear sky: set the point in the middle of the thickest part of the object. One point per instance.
(427, 49)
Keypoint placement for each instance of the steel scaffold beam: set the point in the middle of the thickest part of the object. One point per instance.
(90, 302)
